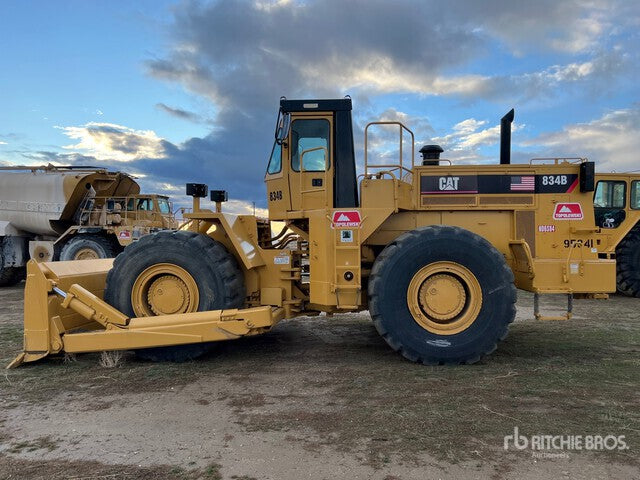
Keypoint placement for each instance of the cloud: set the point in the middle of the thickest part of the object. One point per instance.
(383, 140)
(225, 47)
(518, 88)
(44, 157)
(468, 126)
(612, 141)
(3, 143)
(240, 57)
(109, 141)
(570, 26)
(468, 139)
(180, 113)
(382, 75)
(466, 142)
(419, 124)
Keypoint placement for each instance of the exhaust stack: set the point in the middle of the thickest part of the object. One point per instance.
(505, 137)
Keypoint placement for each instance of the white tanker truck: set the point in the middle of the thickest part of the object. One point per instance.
(70, 213)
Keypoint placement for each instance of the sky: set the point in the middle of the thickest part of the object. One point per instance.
(188, 91)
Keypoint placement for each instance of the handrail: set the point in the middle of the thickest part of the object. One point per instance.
(400, 166)
(444, 160)
(126, 214)
(381, 173)
(324, 173)
(557, 160)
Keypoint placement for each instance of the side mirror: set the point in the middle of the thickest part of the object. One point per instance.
(283, 125)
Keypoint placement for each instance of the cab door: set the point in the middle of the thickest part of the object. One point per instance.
(277, 181)
(609, 202)
(310, 148)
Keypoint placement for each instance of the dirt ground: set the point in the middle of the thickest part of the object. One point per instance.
(325, 398)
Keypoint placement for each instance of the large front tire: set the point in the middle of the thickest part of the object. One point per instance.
(628, 264)
(173, 273)
(88, 247)
(441, 295)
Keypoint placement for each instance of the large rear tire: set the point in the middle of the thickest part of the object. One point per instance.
(10, 275)
(442, 295)
(172, 273)
(88, 247)
(628, 264)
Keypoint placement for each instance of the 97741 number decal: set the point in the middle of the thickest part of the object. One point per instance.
(577, 243)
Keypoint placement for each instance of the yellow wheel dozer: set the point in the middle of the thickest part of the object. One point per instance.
(435, 251)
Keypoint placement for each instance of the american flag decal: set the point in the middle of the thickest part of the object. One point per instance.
(526, 183)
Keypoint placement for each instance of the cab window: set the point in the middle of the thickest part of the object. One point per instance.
(610, 194)
(163, 206)
(144, 204)
(275, 162)
(307, 134)
(635, 194)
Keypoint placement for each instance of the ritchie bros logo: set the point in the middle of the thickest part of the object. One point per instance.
(564, 442)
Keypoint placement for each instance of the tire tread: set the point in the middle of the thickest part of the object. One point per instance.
(199, 246)
(404, 242)
(109, 245)
(627, 267)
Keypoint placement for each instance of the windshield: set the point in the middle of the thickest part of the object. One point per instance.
(635, 194)
(163, 205)
(308, 134)
(143, 204)
(610, 194)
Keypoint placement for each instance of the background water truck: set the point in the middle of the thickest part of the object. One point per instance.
(70, 213)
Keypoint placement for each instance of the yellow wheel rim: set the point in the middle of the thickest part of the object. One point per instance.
(444, 298)
(86, 254)
(164, 289)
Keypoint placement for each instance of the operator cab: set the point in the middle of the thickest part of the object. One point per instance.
(609, 202)
(615, 198)
(312, 163)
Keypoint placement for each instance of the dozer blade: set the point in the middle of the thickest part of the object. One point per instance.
(44, 316)
(64, 312)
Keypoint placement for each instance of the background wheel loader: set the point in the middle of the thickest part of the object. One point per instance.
(617, 208)
(71, 213)
(435, 251)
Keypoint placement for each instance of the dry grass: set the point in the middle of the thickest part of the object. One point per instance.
(41, 443)
(69, 358)
(13, 468)
(335, 377)
(111, 359)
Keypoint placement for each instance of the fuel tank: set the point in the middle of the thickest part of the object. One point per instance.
(44, 200)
